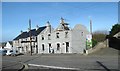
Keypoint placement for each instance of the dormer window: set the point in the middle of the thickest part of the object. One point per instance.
(42, 37)
(57, 35)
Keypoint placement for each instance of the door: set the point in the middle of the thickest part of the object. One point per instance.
(67, 47)
(49, 45)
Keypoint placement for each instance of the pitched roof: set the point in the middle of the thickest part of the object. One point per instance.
(40, 29)
(34, 32)
(22, 35)
(63, 27)
(117, 35)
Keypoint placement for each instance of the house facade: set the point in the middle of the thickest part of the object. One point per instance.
(62, 39)
(22, 41)
(48, 40)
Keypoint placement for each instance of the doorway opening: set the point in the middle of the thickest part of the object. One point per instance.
(67, 47)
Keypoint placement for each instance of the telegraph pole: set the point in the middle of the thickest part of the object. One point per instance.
(30, 37)
(91, 31)
(90, 26)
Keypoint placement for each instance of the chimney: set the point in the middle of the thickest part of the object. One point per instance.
(21, 31)
(62, 21)
(37, 27)
(48, 26)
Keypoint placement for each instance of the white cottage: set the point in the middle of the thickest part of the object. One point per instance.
(8, 46)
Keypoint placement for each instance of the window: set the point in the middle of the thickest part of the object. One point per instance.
(57, 35)
(48, 36)
(58, 46)
(42, 37)
(81, 33)
(36, 45)
(49, 44)
(43, 48)
(66, 34)
(11, 50)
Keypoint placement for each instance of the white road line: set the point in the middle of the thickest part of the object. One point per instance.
(53, 67)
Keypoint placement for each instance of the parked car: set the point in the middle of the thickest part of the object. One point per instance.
(3, 52)
(12, 53)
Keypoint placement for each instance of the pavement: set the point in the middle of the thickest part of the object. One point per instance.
(103, 60)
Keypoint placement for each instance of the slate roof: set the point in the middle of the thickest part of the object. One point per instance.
(34, 32)
(22, 35)
(39, 30)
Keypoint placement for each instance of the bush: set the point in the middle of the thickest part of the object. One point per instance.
(94, 42)
(99, 37)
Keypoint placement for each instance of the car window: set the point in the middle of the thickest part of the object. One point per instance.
(11, 51)
(5, 51)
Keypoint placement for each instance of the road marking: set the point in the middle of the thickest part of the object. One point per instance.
(53, 67)
(103, 66)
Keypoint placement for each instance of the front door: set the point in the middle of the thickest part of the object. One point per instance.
(67, 47)
(49, 47)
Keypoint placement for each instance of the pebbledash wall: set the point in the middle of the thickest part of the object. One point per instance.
(62, 39)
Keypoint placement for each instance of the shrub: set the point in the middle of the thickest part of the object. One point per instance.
(94, 42)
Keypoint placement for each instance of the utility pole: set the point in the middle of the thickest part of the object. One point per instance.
(90, 26)
(91, 31)
(30, 37)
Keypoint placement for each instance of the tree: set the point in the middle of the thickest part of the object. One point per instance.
(115, 29)
(100, 36)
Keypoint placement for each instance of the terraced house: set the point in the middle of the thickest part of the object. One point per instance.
(21, 42)
(62, 39)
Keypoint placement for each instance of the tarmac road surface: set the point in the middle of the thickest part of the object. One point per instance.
(64, 62)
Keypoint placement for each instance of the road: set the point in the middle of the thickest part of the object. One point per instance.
(64, 62)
